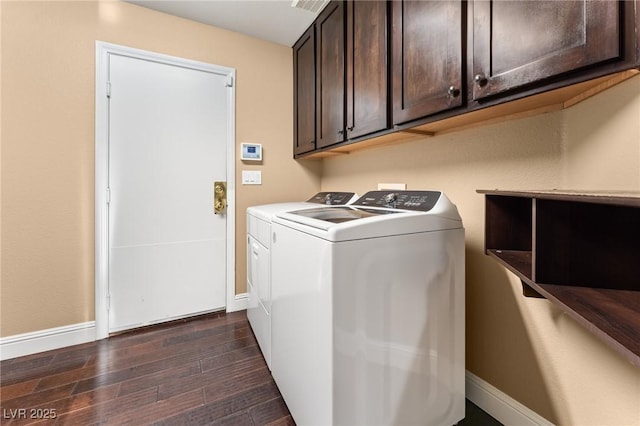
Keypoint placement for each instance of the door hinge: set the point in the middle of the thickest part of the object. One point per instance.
(229, 82)
(108, 89)
(108, 195)
(108, 301)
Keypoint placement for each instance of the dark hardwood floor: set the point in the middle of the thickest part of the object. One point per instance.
(205, 371)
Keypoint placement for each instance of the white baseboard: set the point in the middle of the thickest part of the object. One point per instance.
(238, 303)
(45, 340)
(499, 405)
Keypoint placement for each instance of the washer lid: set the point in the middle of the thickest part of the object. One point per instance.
(341, 214)
(268, 211)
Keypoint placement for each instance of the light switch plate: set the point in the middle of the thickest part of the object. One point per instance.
(252, 177)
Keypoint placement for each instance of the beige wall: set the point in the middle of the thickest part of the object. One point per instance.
(525, 347)
(48, 75)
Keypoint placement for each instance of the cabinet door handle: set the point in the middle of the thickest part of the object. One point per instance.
(480, 79)
(452, 91)
(340, 132)
(350, 128)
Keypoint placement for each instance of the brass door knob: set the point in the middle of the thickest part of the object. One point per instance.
(219, 197)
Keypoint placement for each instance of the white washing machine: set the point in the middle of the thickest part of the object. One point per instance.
(368, 311)
(259, 262)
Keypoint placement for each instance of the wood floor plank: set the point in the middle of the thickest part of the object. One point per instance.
(237, 419)
(224, 318)
(81, 401)
(234, 372)
(211, 336)
(269, 411)
(35, 399)
(79, 352)
(119, 354)
(188, 352)
(224, 360)
(100, 413)
(29, 361)
(37, 370)
(237, 384)
(159, 378)
(217, 410)
(18, 389)
(71, 376)
(285, 421)
(149, 413)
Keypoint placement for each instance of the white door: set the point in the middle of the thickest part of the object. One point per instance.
(167, 146)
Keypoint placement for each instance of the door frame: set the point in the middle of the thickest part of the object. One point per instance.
(103, 51)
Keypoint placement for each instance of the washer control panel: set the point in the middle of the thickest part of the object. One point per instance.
(406, 200)
(332, 198)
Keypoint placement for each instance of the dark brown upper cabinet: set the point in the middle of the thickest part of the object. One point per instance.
(427, 58)
(330, 73)
(304, 92)
(518, 43)
(382, 71)
(367, 68)
(352, 73)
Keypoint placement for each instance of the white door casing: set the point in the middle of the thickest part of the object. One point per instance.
(134, 245)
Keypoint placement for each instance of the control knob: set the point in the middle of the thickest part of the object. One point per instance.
(327, 199)
(391, 199)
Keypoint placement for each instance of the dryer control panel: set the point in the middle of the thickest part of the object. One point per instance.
(332, 198)
(407, 200)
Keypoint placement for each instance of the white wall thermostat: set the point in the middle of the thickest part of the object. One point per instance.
(251, 152)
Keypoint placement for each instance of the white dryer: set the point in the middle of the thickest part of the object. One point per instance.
(368, 311)
(259, 262)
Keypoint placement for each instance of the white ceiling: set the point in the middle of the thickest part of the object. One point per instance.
(272, 20)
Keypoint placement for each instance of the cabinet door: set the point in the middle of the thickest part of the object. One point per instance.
(367, 68)
(330, 107)
(304, 89)
(427, 57)
(517, 43)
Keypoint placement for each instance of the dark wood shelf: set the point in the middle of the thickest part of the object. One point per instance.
(612, 315)
(579, 250)
(621, 198)
(519, 262)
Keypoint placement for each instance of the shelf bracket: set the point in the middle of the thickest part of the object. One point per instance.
(527, 291)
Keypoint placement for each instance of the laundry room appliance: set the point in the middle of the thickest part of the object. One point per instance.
(259, 263)
(368, 311)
